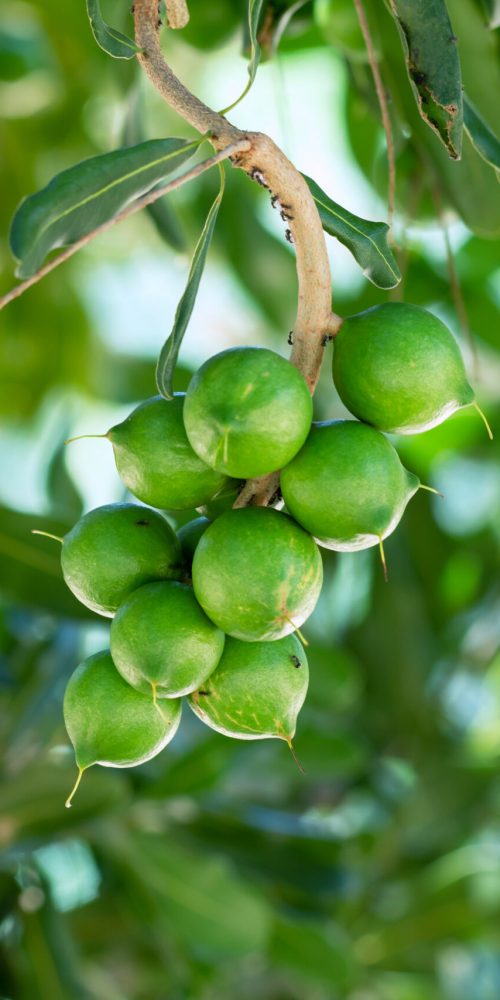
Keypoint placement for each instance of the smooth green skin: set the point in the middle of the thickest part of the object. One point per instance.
(398, 367)
(223, 501)
(160, 636)
(114, 549)
(109, 723)
(189, 536)
(155, 460)
(257, 574)
(347, 486)
(257, 690)
(247, 412)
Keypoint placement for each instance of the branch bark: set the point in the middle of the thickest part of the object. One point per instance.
(266, 164)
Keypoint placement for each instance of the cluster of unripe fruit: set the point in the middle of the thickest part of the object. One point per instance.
(213, 612)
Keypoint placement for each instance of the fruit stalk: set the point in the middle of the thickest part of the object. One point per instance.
(267, 165)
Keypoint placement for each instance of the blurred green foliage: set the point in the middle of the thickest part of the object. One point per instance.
(218, 870)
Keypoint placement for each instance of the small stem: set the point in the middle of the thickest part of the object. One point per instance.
(47, 534)
(154, 688)
(74, 789)
(430, 489)
(297, 630)
(84, 437)
(382, 102)
(383, 559)
(483, 418)
(148, 199)
(294, 755)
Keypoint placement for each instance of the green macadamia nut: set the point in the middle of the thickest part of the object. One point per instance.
(114, 549)
(111, 724)
(398, 367)
(155, 460)
(189, 536)
(247, 412)
(256, 691)
(347, 485)
(162, 640)
(257, 574)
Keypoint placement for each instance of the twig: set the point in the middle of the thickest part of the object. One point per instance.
(384, 110)
(233, 149)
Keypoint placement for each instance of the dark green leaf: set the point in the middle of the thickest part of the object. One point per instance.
(31, 565)
(366, 240)
(254, 10)
(480, 134)
(160, 212)
(199, 897)
(315, 951)
(61, 488)
(491, 11)
(167, 224)
(80, 199)
(433, 67)
(170, 350)
(108, 38)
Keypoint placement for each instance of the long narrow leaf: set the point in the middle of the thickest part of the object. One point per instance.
(433, 66)
(480, 134)
(366, 240)
(254, 9)
(109, 39)
(170, 350)
(87, 195)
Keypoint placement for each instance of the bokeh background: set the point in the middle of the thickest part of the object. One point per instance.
(218, 870)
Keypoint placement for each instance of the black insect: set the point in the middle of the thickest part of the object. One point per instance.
(258, 177)
(326, 339)
(289, 236)
(296, 662)
(204, 692)
(143, 524)
(290, 338)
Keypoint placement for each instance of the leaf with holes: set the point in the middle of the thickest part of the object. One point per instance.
(170, 350)
(80, 199)
(109, 39)
(366, 240)
(481, 135)
(433, 67)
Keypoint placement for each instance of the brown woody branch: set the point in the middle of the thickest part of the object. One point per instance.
(265, 163)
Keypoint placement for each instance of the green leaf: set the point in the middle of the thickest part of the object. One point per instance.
(366, 240)
(433, 67)
(491, 11)
(200, 899)
(108, 38)
(316, 952)
(254, 10)
(170, 350)
(480, 134)
(31, 564)
(160, 212)
(85, 196)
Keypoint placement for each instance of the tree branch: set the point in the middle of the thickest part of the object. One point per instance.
(265, 163)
